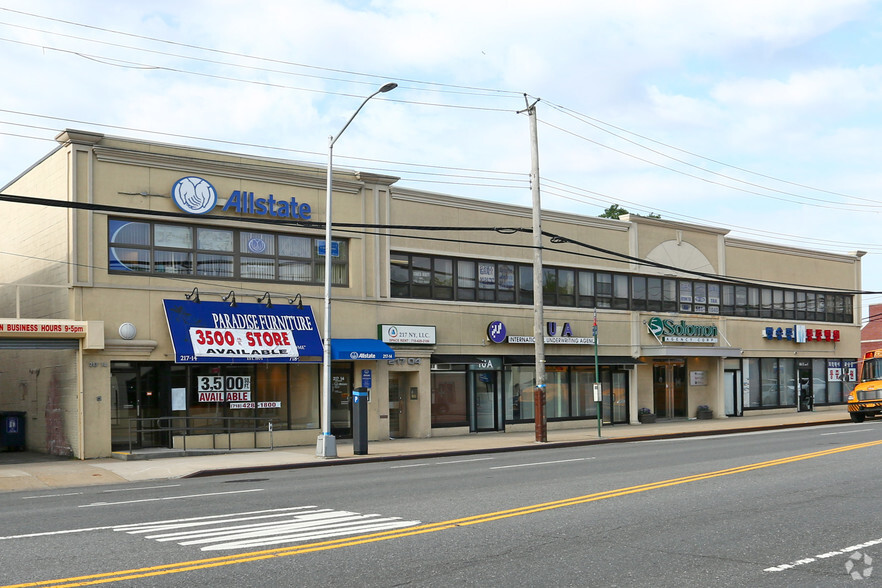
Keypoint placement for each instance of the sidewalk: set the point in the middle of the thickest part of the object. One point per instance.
(30, 471)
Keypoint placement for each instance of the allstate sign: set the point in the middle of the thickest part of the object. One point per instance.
(668, 330)
(194, 195)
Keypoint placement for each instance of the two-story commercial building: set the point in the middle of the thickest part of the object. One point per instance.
(158, 294)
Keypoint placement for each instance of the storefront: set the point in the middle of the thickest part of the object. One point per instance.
(199, 271)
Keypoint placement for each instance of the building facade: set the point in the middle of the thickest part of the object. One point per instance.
(159, 295)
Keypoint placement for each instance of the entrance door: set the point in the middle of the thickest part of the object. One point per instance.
(805, 396)
(732, 391)
(138, 397)
(486, 406)
(669, 389)
(341, 409)
(397, 420)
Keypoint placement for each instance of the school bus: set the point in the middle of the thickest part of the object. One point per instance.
(866, 398)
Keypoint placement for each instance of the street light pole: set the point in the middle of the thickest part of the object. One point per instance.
(326, 445)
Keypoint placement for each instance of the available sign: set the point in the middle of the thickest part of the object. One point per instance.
(223, 388)
(215, 332)
(242, 343)
(668, 331)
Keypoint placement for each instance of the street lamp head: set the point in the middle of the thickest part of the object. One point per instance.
(389, 87)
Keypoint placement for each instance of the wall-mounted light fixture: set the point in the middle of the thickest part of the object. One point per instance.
(299, 301)
(265, 297)
(229, 296)
(194, 295)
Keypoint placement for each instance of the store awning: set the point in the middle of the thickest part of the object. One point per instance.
(672, 351)
(353, 349)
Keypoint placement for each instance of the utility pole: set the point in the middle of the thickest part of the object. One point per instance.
(598, 391)
(538, 326)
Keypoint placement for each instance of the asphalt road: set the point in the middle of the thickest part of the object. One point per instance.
(780, 508)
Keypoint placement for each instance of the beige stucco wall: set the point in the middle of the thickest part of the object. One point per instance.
(65, 255)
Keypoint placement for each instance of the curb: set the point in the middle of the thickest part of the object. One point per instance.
(461, 452)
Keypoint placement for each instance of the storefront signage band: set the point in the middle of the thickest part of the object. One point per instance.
(195, 195)
(497, 333)
(669, 331)
(409, 334)
(800, 334)
(215, 332)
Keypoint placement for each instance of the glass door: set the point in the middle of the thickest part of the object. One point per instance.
(669, 389)
(486, 406)
(123, 407)
(139, 395)
(732, 386)
(341, 393)
(397, 428)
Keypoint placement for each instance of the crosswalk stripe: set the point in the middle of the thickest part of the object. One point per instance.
(259, 528)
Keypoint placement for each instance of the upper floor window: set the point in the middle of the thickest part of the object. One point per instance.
(442, 278)
(209, 252)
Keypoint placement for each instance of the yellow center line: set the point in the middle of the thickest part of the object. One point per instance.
(201, 564)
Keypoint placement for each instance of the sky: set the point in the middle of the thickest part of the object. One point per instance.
(760, 117)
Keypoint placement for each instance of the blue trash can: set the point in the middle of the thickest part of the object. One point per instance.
(12, 431)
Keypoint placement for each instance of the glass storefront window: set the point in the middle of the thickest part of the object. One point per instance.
(787, 381)
(449, 398)
(520, 383)
(304, 386)
(557, 392)
(583, 392)
(819, 380)
(270, 396)
(769, 379)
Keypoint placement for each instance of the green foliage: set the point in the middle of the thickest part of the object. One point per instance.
(614, 211)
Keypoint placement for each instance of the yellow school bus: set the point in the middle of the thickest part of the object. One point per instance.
(866, 398)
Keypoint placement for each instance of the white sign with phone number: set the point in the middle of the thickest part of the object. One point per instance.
(272, 404)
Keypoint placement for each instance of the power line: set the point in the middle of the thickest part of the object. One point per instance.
(585, 118)
(555, 238)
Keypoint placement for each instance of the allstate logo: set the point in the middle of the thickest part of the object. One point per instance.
(353, 355)
(194, 195)
(656, 326)
(256, 245)
(496, 331)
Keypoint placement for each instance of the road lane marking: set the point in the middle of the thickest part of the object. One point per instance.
(807, 560)
(539, 463)
(420, 465)
(144, 488)
(51, 495)
(169, 498)
(202, 564)
(847, 432)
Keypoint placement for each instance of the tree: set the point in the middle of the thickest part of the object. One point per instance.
(614, 211)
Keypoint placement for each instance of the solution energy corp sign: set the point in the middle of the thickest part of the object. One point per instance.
(666, 330)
